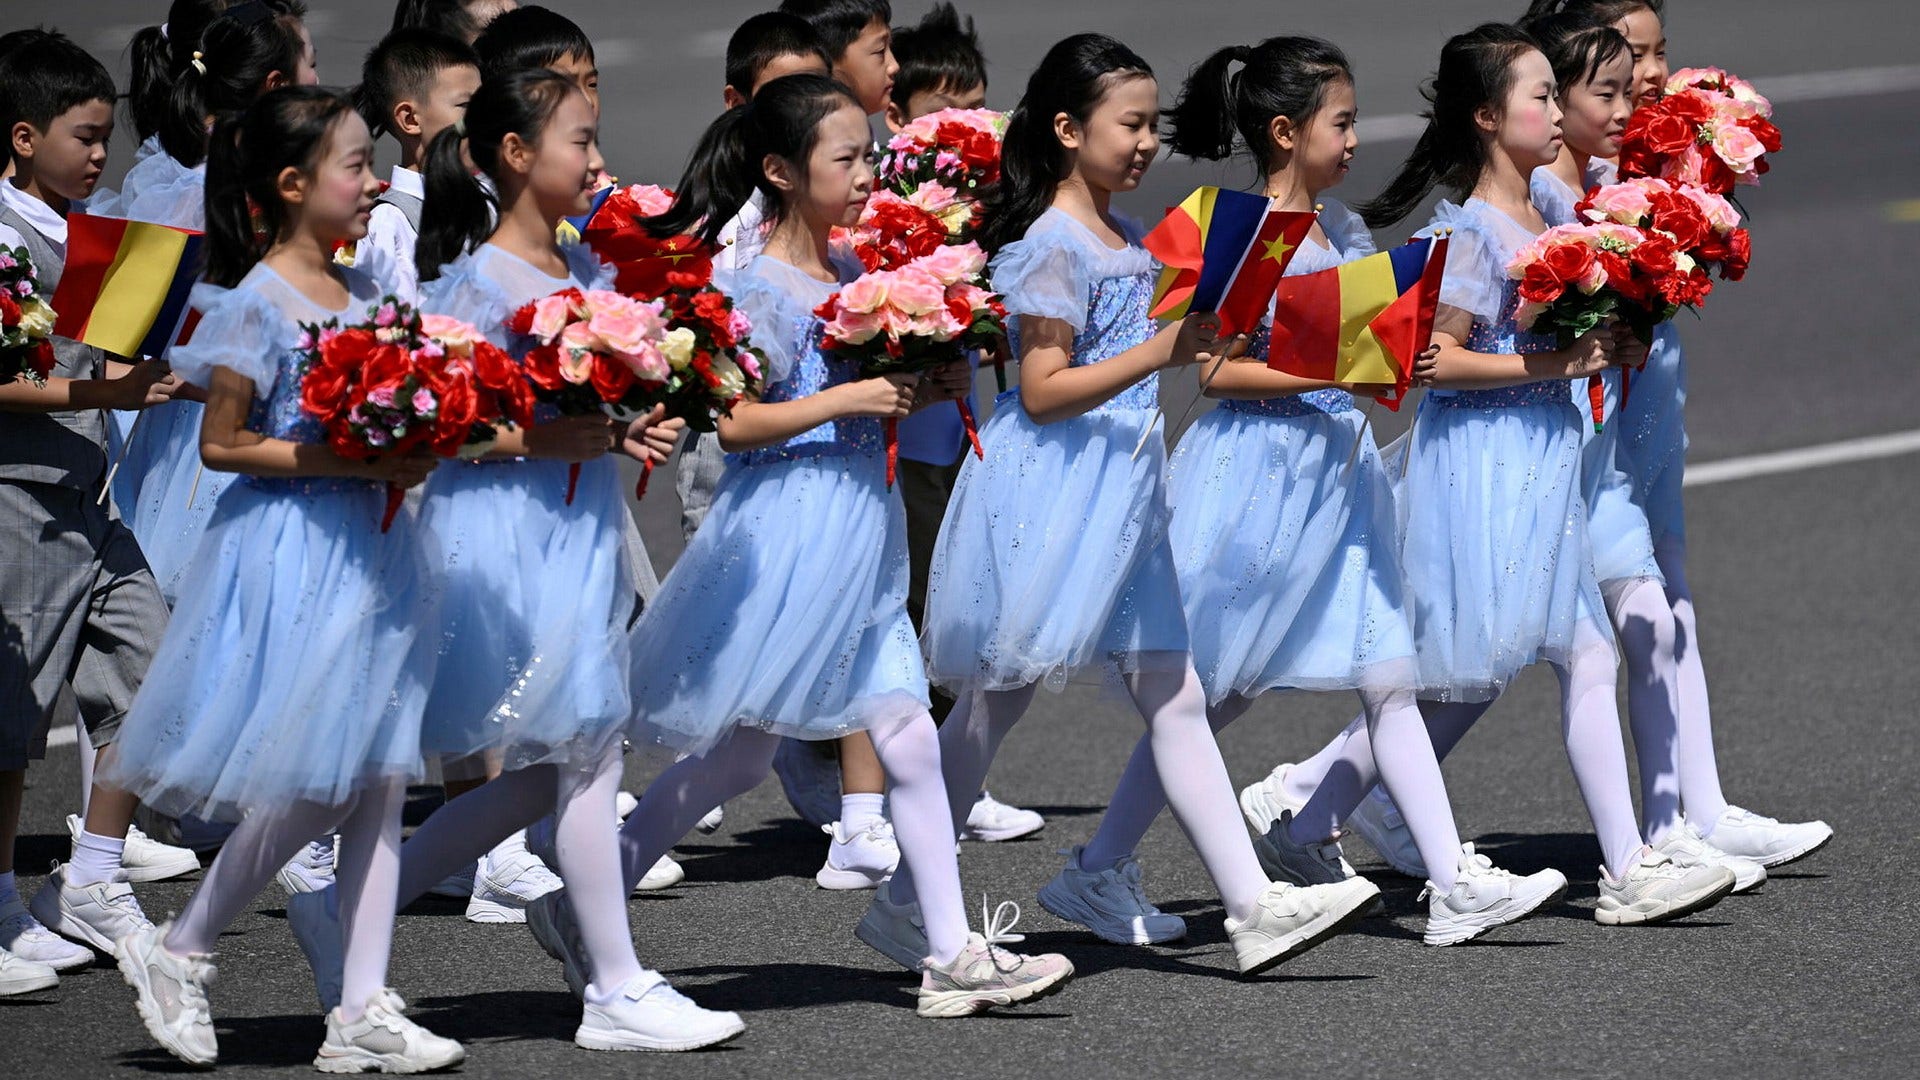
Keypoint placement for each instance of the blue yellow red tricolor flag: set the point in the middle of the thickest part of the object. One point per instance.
(124, 287)
(569, 229)
(1363, 321)
(1223, 252)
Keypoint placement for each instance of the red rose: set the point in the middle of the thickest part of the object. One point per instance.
(1568, 262)
(1653, 255)
(1687, 289)
(1540, 286)
(323, 388)
(543, 368)
(611, 379)
(1620, 276)
(1668, 134)
(1740, 249)
(1679, 217)
(40, 358)
(1764, 130)
(1691, 106)
(9, 311)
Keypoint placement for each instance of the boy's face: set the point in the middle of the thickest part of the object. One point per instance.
(443, 105)
(67, 158)
(585, 75)
(868, 66)
(777, 68)
(922, 102)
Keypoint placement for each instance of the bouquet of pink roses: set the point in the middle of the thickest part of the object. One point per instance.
(1710, 128)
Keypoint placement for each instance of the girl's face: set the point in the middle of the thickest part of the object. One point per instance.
(566, 160)
(306, 70)
(1323, 150)
(338, 194)
(1596, 110)
(838, 177)
(1121, 135)
(1527, 128)
(1648, 39)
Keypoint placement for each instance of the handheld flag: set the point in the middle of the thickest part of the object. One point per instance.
(570, 229)
(125, 284)
(1223, 252)
(1363, 321)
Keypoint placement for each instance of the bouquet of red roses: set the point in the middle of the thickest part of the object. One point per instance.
(1701, 223)
(915, 318)
(959, 148)
(26, 322)
(1710, 128)
(401, 382)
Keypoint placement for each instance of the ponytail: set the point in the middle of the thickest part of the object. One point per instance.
(1476, 70)
(288, 128)
(232, 245)
(1073, 77)
(459, 213)
(227, 69)
(1281, 76)
(782, 120)
(157, 55)
(1201, 123)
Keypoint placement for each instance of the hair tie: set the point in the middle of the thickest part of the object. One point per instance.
(163, 31)
(197, 65)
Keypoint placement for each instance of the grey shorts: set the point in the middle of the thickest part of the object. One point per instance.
(78, 609)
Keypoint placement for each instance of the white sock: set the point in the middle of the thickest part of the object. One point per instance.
(95, 859)
(9, 890)
(861, 809)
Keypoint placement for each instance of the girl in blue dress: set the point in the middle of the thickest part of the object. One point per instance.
(786, 615)
(1295, 582)
(287, 693)
(1053, 561)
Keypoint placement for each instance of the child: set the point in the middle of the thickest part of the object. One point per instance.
(523, 38)
(1500, 570)
(538, 596)
(786, 615)
(1053, 561)
(77, 604)
(1302, 587)
(414, 85)
(1593, 66)
(294, 675)
(158, 54)
(941, 67)
(459, 19)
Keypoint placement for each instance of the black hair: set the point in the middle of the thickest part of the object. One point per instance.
(287, 128)
(527, 38)
(460, 212)
(1072, 78)
(1476, 69)
(239, 49)
(767, 37)
(1600, 11)
(453, 18)
(783, 119)
(44, 75)
(839, 22)
(940, 52)
(1281, 76)
(403, 67)
(158, 53)
(1576, 46)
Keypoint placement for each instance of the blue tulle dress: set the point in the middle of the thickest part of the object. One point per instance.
(1053, 560)
(539, 594)
(1494, 530)
(1284, 532)
(297, 666)
(787, 613)
(1616, 526)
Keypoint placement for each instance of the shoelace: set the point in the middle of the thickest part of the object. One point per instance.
(880, 832)
(997, 933)
(1131, 879)
(320, 856)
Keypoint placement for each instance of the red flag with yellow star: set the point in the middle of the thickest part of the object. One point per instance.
(1224, 252)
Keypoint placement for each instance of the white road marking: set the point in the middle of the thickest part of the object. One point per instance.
(1803, 458)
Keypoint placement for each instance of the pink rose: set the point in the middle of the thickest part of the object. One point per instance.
(855, 327)
(953, 263)
(867, 293)
(651, 200)
(381, 396)
(424, 401)
(550, 315)
(1627, 203)
(749, 362)
(600, 301)
(646, 362)
(739, 325)
(577, 346)
(1718, 211)
(455, 336)
(1736, 146)
(917, 292)
(626, 331)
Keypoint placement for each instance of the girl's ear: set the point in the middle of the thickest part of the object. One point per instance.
(274, 81)
(1487, 118)
(1067, 130)
(1281, 131)
(779, 172)
(291, 186)
(896, 116)
(516, 153)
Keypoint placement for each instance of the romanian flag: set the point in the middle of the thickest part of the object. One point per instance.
(124, 287)
(1224, 252)
(1361, 322)
(570, 229)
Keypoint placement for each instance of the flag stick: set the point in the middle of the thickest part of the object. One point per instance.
(1205, 385)
(1366, 422)
(194, 488)
(125, 449)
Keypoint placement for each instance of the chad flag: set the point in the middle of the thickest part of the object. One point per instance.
(1223, 252)
(1361, 322)
(124, 287)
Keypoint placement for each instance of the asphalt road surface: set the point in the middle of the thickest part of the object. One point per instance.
(1806, 581)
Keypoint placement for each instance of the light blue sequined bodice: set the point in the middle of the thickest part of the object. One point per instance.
(1505, 336)
(813, 372)
(280, 416)
(1117, 320)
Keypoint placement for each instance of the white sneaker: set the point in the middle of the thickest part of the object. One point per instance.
(1290, 919)
(172, 994)
(649, 1014)
(1110, 902)
(665, 873)
(23, 936)
(550, 918)
(311, 870)
(859, 860)
(1747, 835)
(984, 975)
(1685, 845)
(1484, 897)
(384, 1040)
(144, 858)
(896, 931)
(509, 878)
(318, 932)
(97, 915)
(992, 821)
(624, 803)
(710, 824)
(1379, 823)
(1299, 864)
(1657, 889)
(810, 775)
(21, 976)
(1264, 800)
